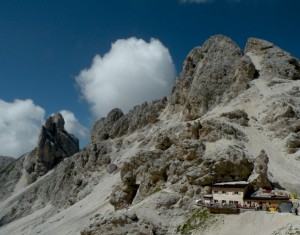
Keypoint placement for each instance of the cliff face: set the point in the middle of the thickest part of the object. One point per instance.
(144, 169)
(54, 145)
(212, 74)
(4, 162)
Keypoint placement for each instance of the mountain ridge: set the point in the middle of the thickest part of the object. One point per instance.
(227, 105)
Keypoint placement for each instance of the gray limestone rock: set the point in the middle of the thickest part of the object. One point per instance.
(214, 73)
(259, 177)
(166, 158)
(237, 116)
(5, 161)
(163, 142)
(293, 143)
(116, 124)
(10, 176)
(111, 168)
(122, 223)
(230, 163)
(55, 143)
(69, 183)
(102, 128)
(213, 130)
(281, 117)
(273, 61)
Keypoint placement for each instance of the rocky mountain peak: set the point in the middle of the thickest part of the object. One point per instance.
(55, 122)
(256, 44)
(54, 144)
(214, 73)
(272, 61)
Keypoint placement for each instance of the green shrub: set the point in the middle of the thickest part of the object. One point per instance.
(199, 219)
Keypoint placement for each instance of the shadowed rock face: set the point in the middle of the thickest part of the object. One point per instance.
(54, 144)
(5, 161)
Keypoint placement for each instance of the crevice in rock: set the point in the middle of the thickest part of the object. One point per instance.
(135, 189)
(256, 74)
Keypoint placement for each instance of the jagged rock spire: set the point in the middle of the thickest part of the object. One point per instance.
(54, 144)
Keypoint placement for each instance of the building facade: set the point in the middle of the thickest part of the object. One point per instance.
(240, 193)
(230, 192)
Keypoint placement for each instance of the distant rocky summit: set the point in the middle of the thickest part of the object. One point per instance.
(54, 145)
(233, 115)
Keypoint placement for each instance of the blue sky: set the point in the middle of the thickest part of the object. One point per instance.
(45, 45)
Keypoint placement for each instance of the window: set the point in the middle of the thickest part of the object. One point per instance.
(215, 191)
(223, 201)
(215, 201)
(224, 192)
(236, 192)
(230, 202)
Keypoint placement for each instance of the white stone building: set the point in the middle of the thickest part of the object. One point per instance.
(229, 192)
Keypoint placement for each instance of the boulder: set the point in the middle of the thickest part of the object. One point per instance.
(293, 143)
(259, 177)
(237, 116)
(111, 168)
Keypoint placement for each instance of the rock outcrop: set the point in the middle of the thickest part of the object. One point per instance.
(116, 124)
(10, 176)
(102, 128)
(259, 177)
(69, 183)
(271, 61)
(5, 161)
(237, 116)
(214, 73)
(54, 145)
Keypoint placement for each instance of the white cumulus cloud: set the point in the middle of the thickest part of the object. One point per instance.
(133, 71)
(72, 125)
(20, 124)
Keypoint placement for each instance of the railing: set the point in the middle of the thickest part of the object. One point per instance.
(234, 207)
